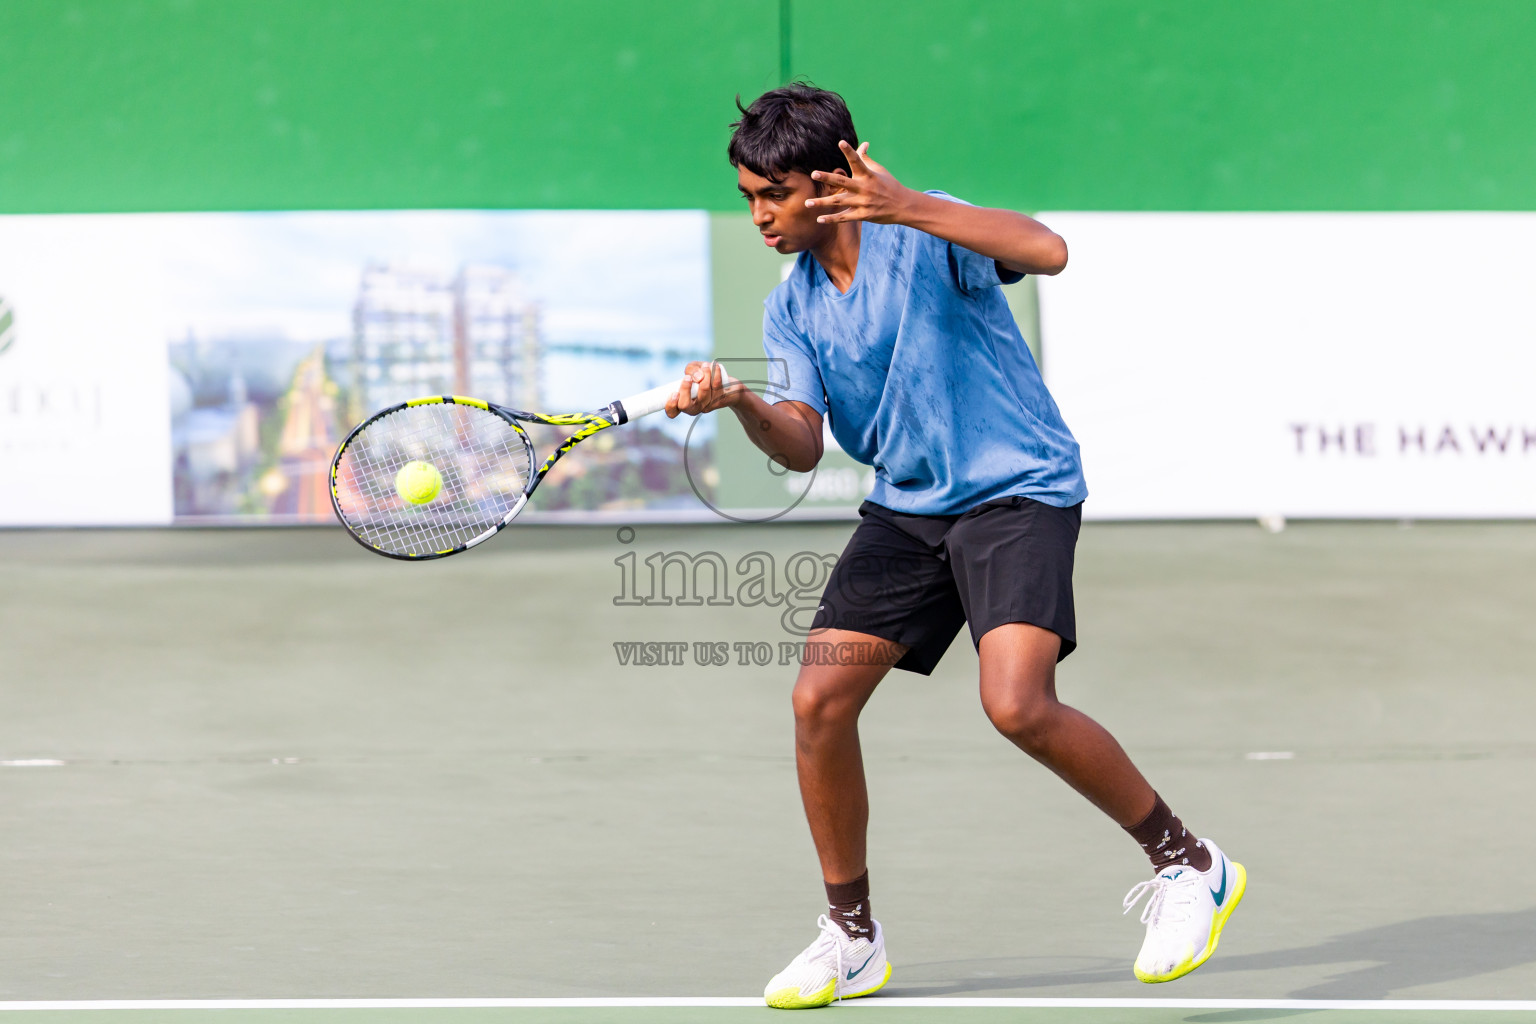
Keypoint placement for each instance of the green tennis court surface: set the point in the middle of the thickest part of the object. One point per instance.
(258, 765)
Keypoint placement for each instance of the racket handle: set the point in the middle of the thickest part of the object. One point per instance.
(655, 400)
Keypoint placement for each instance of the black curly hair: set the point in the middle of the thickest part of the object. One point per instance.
(793, 128)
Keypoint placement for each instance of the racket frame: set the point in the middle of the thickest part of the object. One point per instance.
(587, 423)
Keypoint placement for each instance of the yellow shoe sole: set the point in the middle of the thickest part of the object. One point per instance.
(1239, 886)
(791, 999)
(876, 987)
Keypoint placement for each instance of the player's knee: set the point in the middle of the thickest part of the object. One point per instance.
(1024, 719)
(818, 702)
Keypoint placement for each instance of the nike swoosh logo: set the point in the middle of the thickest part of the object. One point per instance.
(1219, 896)
(865, 964)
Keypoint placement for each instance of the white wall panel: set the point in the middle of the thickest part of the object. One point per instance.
(84, 420)
(1351, 365)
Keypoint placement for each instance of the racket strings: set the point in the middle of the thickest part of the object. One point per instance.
(484, 463)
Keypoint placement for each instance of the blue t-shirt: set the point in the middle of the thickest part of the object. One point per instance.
(925, 375)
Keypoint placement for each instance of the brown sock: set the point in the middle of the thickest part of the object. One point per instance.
(848, 905)
(1163, 837)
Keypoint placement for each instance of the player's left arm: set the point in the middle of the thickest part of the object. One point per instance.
(1016, 241)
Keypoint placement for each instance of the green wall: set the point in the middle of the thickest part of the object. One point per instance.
(362, 104)
(1052, 104)
(1200, 104)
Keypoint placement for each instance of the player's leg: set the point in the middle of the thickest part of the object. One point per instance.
(827, 701)
(891, 600)
(1196, 886)
(847, 958)
(1013, 563)
(1018, 693)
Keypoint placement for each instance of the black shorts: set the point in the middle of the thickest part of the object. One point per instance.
(914, 580)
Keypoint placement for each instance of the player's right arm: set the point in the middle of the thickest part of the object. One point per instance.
(788, 432)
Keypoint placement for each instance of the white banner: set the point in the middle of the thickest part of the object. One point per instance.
(1338, 365)
(203, 367)
(85, 428)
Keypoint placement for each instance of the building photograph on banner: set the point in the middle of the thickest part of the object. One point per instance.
(286, 329)
(1298, 365)
(222, 357)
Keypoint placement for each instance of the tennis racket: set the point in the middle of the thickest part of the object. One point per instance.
(438, 475)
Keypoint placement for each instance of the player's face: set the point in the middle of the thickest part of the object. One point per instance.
(779, 210)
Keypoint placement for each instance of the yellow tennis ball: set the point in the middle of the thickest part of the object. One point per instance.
(418, 482)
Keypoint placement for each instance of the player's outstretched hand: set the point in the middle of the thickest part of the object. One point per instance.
(870, 192)
(702, 389)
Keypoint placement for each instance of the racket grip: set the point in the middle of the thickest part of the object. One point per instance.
(655, 400)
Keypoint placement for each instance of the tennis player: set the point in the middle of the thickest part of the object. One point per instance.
(892, 326)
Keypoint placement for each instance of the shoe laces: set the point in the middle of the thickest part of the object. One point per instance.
(831, 934)
(1170, 896)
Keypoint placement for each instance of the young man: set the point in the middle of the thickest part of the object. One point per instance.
(892, 324)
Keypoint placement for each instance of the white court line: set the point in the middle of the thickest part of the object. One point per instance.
(723, 1001)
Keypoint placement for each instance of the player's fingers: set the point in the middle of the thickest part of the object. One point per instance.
(724, 387)
(844, 204)
(867, 162)
(700, 377)
(836, 179)
(855, 157)
(688, 387)
(715, 381)
(870, 162)
(835, 199)
(686, 398)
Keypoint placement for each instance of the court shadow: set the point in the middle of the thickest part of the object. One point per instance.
(1423, 951)
(1406, 954)
(1003, 974)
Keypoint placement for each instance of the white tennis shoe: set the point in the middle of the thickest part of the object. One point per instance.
(832, 967)
(1185, 914)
